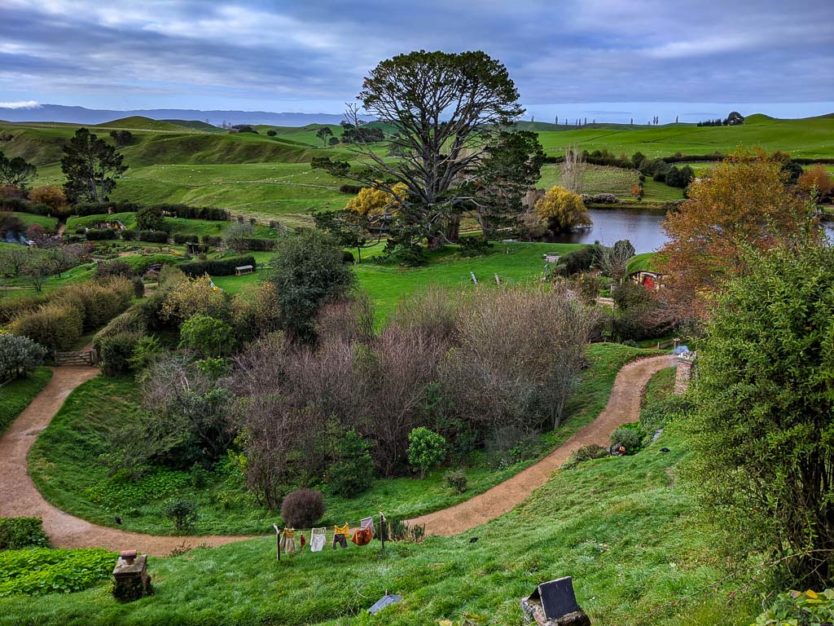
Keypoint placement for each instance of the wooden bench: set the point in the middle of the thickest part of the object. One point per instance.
(244, 269)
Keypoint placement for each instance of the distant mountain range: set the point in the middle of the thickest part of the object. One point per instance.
(81, 115)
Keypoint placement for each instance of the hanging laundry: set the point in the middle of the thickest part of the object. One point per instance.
(302, 541)
(317, 539)
(368, 523)
(340, 536)
(288, 541)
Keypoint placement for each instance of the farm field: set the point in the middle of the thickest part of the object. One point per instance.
(270, 177)
(630, 546)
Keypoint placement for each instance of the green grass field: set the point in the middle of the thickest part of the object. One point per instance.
(623, 527)
(17, 394)
(66, 465)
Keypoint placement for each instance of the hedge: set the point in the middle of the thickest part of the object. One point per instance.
(251, 243)
(12, 307)
(217, 267)
(212, 240)
(212, 214)
(22, 532)
(153, 236)
(184, 238)
(57, 325)
(101, 234)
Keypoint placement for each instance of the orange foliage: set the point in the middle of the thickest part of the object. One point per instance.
(743, 203)
(816, 178)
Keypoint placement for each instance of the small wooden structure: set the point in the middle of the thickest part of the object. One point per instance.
(551, 258)
(81, 357)
(240, 270)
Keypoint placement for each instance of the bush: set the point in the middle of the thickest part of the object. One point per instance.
(207, 336)
(145, 351)
(629, 437)
(353, 472)
(56, 326)
(182, 238)
(129, 235)
(585, 453)
(217, 267)
(183, 513)
(113, 268)
(22, 532)
(657, 414)
(19, 356)
(51, 196)
(800, 609)
(153, 236)
(101, 234)
(456, 479)
(98, 302)
(426, 449)
(302, 508)
(212, 240)
(116, 352)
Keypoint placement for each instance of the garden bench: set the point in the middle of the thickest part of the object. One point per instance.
(240, 270)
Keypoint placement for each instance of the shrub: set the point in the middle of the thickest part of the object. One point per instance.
(456, 479)
(116, 352)
(145, 351)
(129, 234)
(426, 449)
(153, 236)
(799, 608)
(18, 356)
(183, 513)
(98, 302)
(585, 453)
(57, 325)
(113, 268)
(192, 296)
(52, 196)
(101, 234)
(206, 335)
(217, 267)
(629, 437)
(185, 238)
(562, 210)
(22, 532)
(353, 472)
(302, 508)
(212, 240)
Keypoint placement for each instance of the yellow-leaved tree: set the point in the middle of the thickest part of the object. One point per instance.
(562, 209)
(370, 201)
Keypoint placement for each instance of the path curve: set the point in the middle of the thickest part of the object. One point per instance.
(623, 407)
(20, 497)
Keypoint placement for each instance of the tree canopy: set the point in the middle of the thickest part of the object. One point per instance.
(91, 166)
(16, 171)
(446, 110)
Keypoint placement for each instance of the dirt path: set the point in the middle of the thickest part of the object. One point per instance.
(623, 406)
(20, 497)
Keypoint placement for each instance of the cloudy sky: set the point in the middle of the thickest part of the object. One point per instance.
(603, 58)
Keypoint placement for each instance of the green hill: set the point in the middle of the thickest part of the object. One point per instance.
(138, 122)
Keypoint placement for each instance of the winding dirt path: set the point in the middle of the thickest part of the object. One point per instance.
(623, 407)
(20, 497)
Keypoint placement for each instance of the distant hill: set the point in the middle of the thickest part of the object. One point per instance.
(81, 115)
(138, 122)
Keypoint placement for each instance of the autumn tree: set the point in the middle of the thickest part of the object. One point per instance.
(91, 166)
(16, 172)
(376, 201)
(51, 195)
(442, 108)
(743, 203)
(562, 210)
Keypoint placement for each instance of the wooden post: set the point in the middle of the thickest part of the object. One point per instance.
(474, 280)
(277, 542)
(382, 529)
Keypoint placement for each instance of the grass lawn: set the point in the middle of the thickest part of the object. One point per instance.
(21, 286)
(49, 224)
(623, 527)
(644, 262)
(66, 464)
(17, 394)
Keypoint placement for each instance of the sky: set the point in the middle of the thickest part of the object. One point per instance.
(602, 59)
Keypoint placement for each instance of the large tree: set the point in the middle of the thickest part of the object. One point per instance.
(91, 166)
(763, 433)
(442, 107)
(742, 203)
(16, 172)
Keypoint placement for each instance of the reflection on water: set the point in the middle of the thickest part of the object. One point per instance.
(642, 228)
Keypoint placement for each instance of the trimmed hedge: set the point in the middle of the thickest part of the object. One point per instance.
(184, 238)
(153, 236)
(101, 234)
(217, 267)
(22, 532)
(212, 214)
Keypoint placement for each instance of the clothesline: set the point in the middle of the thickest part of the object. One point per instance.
(361, 536)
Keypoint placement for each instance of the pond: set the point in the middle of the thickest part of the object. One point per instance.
(642, 228)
